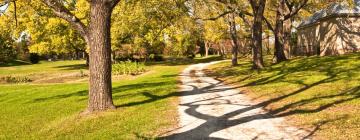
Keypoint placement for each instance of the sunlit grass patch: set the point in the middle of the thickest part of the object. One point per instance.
(319, 93)
(146, 106)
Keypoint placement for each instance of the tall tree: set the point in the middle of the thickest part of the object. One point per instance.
(285, 10)
(230, 9)
(215, 32)
(258, 7)
(234, 39)
(97, 36)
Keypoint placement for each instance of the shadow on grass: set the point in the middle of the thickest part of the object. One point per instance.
(73, 67)
(148, 90)
(117, 90)
(332, 66)
(63, 96)
(226, 121)
(14, 63)
(203, 132)
(186, 61)
(168, 62)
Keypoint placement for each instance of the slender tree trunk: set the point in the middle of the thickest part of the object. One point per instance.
(201, 45)
(234, 39)
(287, 37)
(221, 46)
(100, 94)
(279, 33)
(207, 45)
(258, 8)
(223, 51)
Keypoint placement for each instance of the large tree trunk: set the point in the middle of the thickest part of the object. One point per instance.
(97, 37)
(234, 39)
(100, 94)
(258, 8)
(279, 33)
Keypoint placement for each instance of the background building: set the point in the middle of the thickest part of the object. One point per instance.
(331, 31)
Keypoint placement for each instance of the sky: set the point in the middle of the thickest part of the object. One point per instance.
(2, 8)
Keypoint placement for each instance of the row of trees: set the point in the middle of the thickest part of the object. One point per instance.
(137, 28)
(100, 27)
(255, 17)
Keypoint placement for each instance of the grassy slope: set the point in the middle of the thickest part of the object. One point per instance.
(321, 93)
(147, 105)
(43, 67)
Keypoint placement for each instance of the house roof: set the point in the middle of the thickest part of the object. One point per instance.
(335, 9)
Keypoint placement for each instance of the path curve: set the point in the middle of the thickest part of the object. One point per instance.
(210, 109)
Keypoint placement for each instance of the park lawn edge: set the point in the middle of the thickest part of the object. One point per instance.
(327, 110)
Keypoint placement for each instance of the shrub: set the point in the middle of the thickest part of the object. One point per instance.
(158, 58)
(128, 68)
(7, 48)
(13, 79)
(34, 58)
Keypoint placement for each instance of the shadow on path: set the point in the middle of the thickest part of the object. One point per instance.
(204, 131)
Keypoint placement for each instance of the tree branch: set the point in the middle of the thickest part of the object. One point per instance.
(268, 24)
(114, 3)
(246, 13)
(217, 17)
(253, 4)
(15, 15)
(5, 8)
(242, 15)
(294, 12)
(59, 10)
(289, 5)
(7, 3)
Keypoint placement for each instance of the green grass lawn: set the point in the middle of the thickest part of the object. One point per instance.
(42, 67)
(146, 107)
(321, 94)
(146, 104)
(45, 72)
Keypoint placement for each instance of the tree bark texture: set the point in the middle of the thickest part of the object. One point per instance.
(97, 37)
(258, 10)
(100, 93)
(279, 33)
(287, 38)
(234, 39)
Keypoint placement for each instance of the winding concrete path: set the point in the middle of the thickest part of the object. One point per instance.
(210, 109)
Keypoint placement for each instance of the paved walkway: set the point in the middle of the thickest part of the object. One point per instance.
(211, 110)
